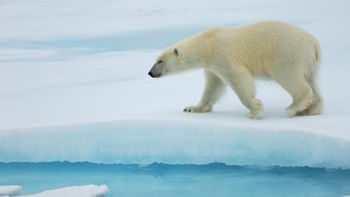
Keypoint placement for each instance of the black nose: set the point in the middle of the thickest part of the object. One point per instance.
(154, 75)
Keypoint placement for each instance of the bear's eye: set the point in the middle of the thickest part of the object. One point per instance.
(176, 52)
(160, 61)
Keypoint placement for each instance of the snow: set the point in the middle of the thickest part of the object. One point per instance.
(10, 190)
(81, 191)
(74, 86)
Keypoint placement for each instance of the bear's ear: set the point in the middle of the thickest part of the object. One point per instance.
(176, 51)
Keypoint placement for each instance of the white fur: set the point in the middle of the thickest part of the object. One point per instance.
(272, 50)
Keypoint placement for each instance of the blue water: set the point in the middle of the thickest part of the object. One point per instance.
(70, 47)
(122, 41)
(214, 179)
(138, 40)
(135, 40)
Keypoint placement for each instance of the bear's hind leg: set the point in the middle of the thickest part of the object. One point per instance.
(317, 106)
(213, 91)
(300, 91)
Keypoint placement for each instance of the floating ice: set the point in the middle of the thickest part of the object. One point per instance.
(81, 191)
(10, 190)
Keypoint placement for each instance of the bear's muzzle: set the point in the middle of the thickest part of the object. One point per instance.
(156, 70)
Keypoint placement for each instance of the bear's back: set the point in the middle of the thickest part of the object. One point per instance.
(263, 45)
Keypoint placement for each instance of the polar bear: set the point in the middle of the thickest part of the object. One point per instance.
(235, 57)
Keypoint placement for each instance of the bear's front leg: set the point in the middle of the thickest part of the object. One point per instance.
(213, 91)
(242, 82)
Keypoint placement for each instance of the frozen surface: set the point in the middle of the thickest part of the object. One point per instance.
(81, 191)
(10, 190)
(74, 86)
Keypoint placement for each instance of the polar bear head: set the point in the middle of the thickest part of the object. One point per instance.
(171, 61)
(167, 63)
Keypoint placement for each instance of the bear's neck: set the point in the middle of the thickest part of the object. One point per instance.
(196, 52)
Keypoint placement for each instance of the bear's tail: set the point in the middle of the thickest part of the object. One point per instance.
(317, 51)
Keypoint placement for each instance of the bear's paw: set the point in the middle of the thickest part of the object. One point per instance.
(198, 109)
